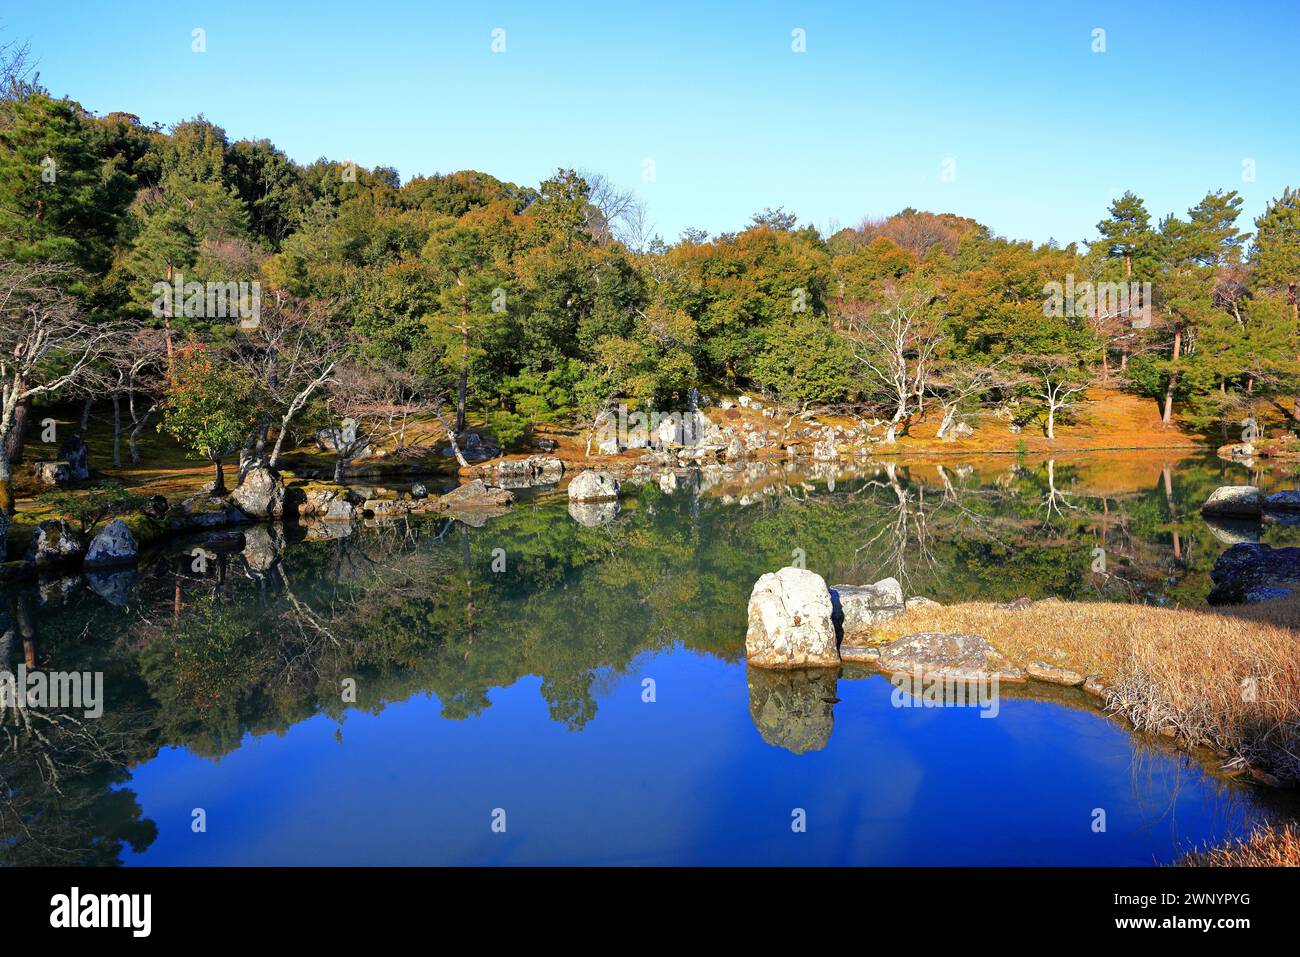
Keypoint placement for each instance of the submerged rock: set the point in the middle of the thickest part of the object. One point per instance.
(592, 486)
(1250, 572)
(943, 654)
(790, 623)
(793, 709)
(114, 545)
(1239, 501)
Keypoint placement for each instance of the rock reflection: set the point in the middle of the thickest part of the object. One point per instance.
(792, 708)
(593, 514)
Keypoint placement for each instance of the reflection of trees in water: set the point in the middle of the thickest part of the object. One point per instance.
(57, 765)
(264, 635)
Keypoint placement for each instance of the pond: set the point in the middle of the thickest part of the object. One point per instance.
(557, 686)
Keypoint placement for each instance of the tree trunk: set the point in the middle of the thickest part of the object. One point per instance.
(85, 416)
(117, 431)
(219, 486)
(1051, 419)
(6, 482)
(1168, 417)
(464, 366)
(17, 433)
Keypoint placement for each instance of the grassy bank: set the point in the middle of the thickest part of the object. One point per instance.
(1226, 678)
(1274, 845)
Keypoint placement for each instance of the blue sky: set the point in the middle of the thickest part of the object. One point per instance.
(1043, 132)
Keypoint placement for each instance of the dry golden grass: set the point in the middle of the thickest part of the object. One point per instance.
(1228, 678)
(1269, 845)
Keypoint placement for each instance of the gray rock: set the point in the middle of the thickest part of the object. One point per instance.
(475, 494)
(793, 709)
(954, 655)
(114, 545)
(203, 511)
(591, 486)
(1042, 671)
(261, 494)
(419, 491)
(920, 601)
(54, 473)
(1245, 569)
(73, 451)
(55, 543)
(1239, 501)
(1286, 501)
(790, 622)
(4, 536)
(859, 609)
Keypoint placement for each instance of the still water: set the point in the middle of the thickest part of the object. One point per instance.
(557, 686)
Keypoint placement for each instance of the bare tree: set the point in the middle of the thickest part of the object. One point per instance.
(614, 213)
(960, 385)
(136, 380)
(1058, 382)
(46, 347)
(897, 345)
(292, 354)
(371, 405)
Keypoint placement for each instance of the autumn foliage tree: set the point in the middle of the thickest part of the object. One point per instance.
(209, 408)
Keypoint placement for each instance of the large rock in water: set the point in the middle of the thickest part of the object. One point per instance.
(261, 493)
(858, 609)
(1234, 501)
(790, 621)
(73, 451)
(114, 545)
(593, 486)
(475, 495)
(55, 543)
(1251, 572)
(947, 655)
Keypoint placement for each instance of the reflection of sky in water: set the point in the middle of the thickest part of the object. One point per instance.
(685, 780)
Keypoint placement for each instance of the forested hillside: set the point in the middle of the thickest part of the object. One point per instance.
(459, 294)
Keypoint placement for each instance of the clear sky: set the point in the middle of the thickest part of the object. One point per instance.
(1042, 131)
